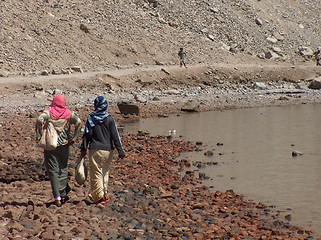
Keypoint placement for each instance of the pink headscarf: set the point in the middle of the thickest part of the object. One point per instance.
(58, 108)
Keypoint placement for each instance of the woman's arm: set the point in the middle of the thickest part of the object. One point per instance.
(76, 121)
(116, 138)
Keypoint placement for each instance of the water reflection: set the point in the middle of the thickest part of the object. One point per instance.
(256, 155)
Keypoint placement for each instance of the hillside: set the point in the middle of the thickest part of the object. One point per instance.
(98, 35)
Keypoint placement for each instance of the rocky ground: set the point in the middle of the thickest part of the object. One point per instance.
(155, 194)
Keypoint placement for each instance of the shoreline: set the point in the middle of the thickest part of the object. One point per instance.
(149, 198)
(165, 89)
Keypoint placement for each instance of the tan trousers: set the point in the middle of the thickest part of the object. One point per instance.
(99, 162)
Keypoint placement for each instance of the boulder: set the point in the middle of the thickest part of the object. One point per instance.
(190, 106)
(127, 108)
(296, 153)
(271, 55)
(315, 84)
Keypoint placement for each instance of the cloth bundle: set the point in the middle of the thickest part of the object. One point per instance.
(49, 137)
(81, 171)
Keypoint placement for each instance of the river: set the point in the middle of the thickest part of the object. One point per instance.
(255, 154)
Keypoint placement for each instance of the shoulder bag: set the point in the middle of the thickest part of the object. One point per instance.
(49, 137)
(81, 171)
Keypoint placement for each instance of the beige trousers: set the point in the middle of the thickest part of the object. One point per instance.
(99, 162)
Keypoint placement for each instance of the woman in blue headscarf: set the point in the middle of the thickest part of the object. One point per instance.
(101, 137)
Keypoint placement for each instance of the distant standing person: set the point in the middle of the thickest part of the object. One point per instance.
(182, 56)
(317, 56)
(101, 137)
(56, 161)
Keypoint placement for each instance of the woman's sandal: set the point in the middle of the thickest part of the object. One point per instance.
(58, 203)
(104, 200)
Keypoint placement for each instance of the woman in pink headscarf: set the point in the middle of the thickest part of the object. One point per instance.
(58, 108)
(56, 161)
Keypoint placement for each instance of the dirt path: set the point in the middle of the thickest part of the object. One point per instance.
(307, 70)
(86, 75)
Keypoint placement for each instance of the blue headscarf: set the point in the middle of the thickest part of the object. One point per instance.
(99, 115)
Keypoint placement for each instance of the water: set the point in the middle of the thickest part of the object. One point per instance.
(256, 155)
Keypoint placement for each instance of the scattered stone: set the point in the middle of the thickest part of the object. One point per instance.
(258, 21)
(3, 73)
(211, 37)
(159, 63)
(44, 73)
(165, 71)
(278, 36)
(261, 55)
(271, 55)
(306, 52)
(57, 91)
(288, 217)
(154, 3)
(214, 10)
(272, 40)
(84, 28)
(162, 20)
(277, 50)
(209, 153)
(155, 99)
(283, 98)
(140, 99)
(56, 72)
(296, 153)
(77, 69)
(260, 85)
(65, 71)
(202, 176)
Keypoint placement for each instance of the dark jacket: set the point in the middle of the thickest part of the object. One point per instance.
(104, 136)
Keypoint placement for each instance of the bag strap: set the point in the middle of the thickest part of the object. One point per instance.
(47, 112)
